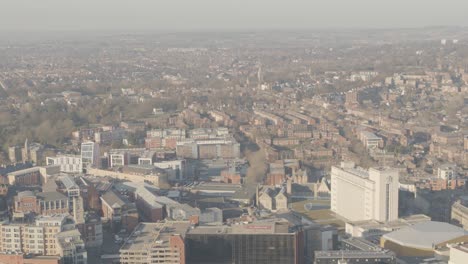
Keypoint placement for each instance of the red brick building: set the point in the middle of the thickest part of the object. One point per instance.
(231, 177)
(441, 184)
(26, 202)
(21, 259)
(44, 203)
(118, 211)
(26, 177)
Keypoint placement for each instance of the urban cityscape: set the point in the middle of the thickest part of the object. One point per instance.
(336, 146)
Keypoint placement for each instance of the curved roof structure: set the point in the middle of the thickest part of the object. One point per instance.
(425, 235)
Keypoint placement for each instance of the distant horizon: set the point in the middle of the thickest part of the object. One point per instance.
(232, 30)
(226, 15)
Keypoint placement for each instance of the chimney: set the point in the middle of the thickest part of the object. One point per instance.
(194, 220)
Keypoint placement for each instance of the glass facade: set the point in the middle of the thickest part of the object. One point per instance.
(242, 248)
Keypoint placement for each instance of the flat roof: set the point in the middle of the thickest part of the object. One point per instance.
(370, 135)
(358, 172)
(462, 247)
(51, 196)
(149, 235)
(57, 217)
(24, 171)
(265, 227)
(352, 254)
(361, 243)
(217, 187)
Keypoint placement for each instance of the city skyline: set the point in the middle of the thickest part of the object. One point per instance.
(233, 132)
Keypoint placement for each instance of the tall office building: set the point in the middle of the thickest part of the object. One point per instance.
(359, 194)
(266, 242)
(90, 154)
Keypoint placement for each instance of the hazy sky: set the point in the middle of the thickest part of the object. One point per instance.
(190, 15)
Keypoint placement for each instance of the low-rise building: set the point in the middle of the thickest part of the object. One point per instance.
(175, 169)
(26, 177)
(370, 140)
(459, 212)
(155, 243)
(458, 254)
(119, 211)
(71, 248)
(272, 199)
(44, 203)
(67, 163)
(20, 258)
(354, 256)
(423, 239)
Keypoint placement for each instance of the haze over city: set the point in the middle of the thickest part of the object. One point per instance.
(222, 15)
(233, 132)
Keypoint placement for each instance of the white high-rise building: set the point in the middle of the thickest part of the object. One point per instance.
(358, 194)
(90, 154)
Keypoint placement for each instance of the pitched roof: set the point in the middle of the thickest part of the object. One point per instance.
(112, 199)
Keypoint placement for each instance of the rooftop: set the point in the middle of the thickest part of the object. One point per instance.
(361, 244)
(25, 171)
(68, 182)
(113, 200)
(271, 226)
(51, 196)
(25, 194)
(425, 235)
(352, 254)
(218, 187)
(370, 135)
(149, 235)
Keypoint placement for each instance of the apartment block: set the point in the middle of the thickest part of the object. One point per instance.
(38, 238)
